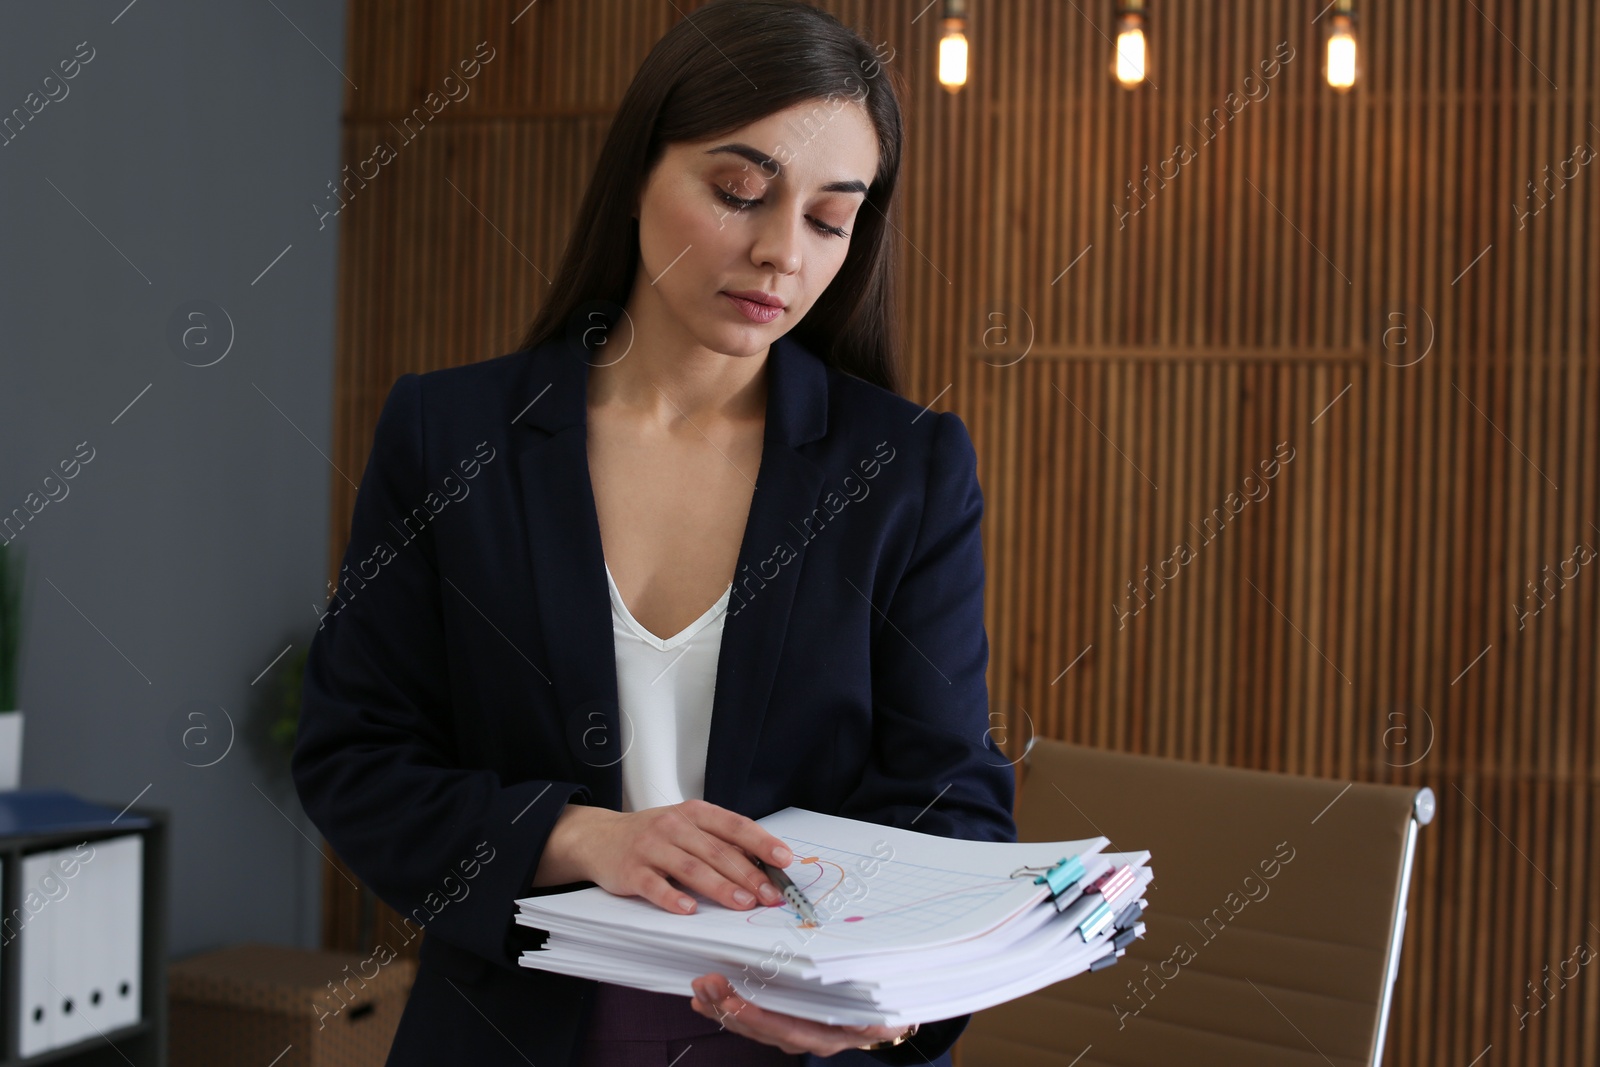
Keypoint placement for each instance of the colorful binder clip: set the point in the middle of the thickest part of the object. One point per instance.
(1108, 887)
(1112, 884)
(1063, 875)
(1098, 922)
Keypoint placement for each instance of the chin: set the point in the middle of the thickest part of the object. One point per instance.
(741, 341)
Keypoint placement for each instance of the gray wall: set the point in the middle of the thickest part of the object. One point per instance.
(176, 166)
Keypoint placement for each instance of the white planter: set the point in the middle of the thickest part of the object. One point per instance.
(10, 749)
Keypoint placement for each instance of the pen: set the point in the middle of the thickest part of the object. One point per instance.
(791, 892)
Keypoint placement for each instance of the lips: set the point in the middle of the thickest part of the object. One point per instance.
(756, 296)
(752, 310)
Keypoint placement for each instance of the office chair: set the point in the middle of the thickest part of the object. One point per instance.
(1274, 924)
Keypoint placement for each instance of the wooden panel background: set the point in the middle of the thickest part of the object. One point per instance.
(1358, 278)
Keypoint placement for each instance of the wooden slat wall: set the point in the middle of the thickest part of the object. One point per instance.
(1121, 379)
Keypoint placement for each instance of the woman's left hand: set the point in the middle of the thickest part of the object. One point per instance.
(715, 999)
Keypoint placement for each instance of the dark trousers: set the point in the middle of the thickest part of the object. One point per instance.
(637, 1028)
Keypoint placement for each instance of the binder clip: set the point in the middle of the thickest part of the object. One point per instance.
(1126, 925)
(1062, 878)
(1111, 885)
(1108, 887)
(1103, 962)
(1097, 922)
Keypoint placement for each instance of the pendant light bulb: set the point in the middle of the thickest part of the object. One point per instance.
(1342, 67)
(1130, 55)
(953, 46)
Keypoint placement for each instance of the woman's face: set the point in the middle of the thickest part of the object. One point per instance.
(806, 168)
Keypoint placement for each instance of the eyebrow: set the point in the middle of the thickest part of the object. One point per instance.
(771, 166)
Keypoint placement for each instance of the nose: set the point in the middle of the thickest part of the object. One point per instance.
(777, 244)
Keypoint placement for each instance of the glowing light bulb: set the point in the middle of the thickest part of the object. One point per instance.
(953, 55)
(1129, 56)
(1341, 69)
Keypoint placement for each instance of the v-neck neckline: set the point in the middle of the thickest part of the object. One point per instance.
(665, 644)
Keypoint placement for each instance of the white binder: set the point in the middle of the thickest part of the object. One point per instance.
(35, 945)
(80, 942)
(74, 913)
(93, 890)
(120, 894)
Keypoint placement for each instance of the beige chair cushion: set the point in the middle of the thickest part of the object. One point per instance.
(1272, 927)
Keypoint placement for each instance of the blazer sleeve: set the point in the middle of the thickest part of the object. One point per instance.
(934, 766)
(375, 762)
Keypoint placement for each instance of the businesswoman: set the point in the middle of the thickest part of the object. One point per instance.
(684, 559)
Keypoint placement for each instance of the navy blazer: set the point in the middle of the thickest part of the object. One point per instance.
(461, 688)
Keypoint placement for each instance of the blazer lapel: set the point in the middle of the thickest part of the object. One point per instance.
(571, 596)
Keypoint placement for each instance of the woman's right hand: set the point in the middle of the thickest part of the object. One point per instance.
(700, 845)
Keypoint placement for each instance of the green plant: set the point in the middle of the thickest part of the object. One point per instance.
(10, 623)
(287, 720)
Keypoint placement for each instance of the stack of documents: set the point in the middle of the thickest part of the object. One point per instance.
(911, 927)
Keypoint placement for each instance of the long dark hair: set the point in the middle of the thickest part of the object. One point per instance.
(728, 64)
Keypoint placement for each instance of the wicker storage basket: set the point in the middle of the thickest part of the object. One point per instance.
(290, 1007)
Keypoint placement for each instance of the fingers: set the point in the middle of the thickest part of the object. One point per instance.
(750, 836)
(662, 893)
(747, 839)
(667, 853)
(700, 849)
(715, 999)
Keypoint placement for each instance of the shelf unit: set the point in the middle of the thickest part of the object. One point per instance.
(143, 1044)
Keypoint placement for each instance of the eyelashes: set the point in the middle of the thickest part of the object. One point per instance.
(739, 204)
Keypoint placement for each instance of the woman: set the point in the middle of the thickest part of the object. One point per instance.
(704, 412)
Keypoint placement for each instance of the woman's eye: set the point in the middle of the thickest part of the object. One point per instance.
(739, 204)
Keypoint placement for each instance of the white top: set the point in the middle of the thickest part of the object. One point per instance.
(665, 688)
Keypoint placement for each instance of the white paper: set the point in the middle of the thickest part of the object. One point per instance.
(929, 891)
(912, 927)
